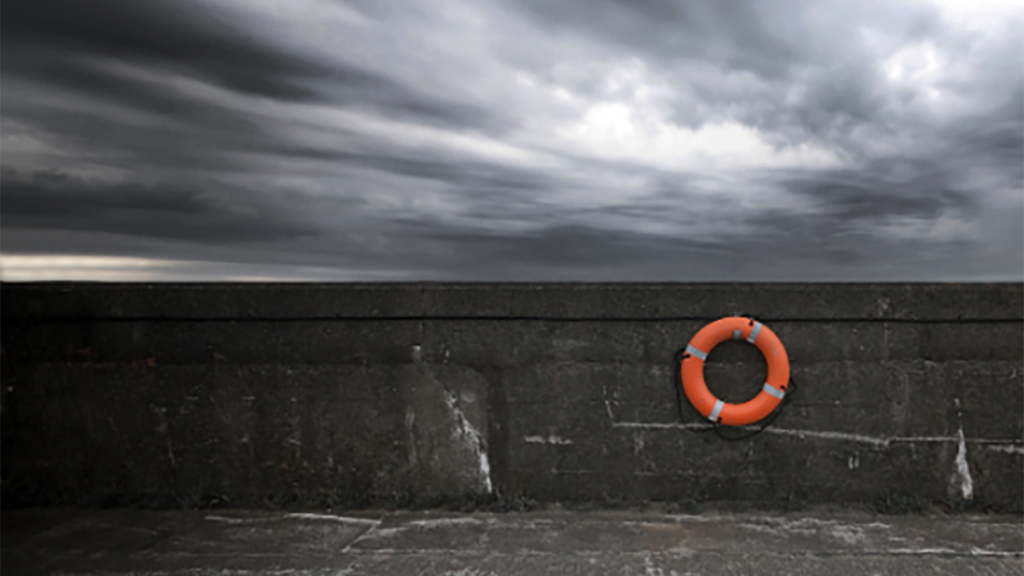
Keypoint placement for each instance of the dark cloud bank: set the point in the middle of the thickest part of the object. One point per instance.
(360, 142)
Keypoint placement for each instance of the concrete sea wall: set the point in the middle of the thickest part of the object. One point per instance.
(345, 394)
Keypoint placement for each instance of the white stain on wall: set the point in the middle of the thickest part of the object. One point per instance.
(549, 439)
(962, 469)
(465, 432)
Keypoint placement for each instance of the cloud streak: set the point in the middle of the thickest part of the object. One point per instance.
(497, 140)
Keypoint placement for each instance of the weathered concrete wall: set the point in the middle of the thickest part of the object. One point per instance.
(350, 393)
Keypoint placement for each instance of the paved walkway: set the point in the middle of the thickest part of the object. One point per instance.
(548, 542)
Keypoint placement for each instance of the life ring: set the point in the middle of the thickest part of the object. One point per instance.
(735, 328)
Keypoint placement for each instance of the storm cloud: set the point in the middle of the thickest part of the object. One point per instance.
(497, 140)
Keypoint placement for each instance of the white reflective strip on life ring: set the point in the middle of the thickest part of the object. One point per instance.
(773, 390)
(696, 352)
(737, 335)
(753, 333)
(716, 410)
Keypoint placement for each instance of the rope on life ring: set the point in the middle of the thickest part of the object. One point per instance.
(773, 391)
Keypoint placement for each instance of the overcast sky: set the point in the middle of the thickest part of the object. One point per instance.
(498, 140)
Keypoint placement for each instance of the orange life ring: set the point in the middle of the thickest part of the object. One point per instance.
(772, 392)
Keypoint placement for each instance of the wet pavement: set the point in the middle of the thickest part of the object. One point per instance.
(50, 541)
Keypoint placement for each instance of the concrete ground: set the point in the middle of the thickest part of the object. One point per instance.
(553, 541)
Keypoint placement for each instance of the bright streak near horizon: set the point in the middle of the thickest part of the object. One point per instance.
(43, 268)
(74, 268)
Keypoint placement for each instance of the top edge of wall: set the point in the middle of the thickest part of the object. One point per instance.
(926, 302)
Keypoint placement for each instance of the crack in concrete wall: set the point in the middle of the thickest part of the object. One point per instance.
(463, 433)
(1011, 446)
(963, 471)
(472, 439)
(961, 476)
(999, 445)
